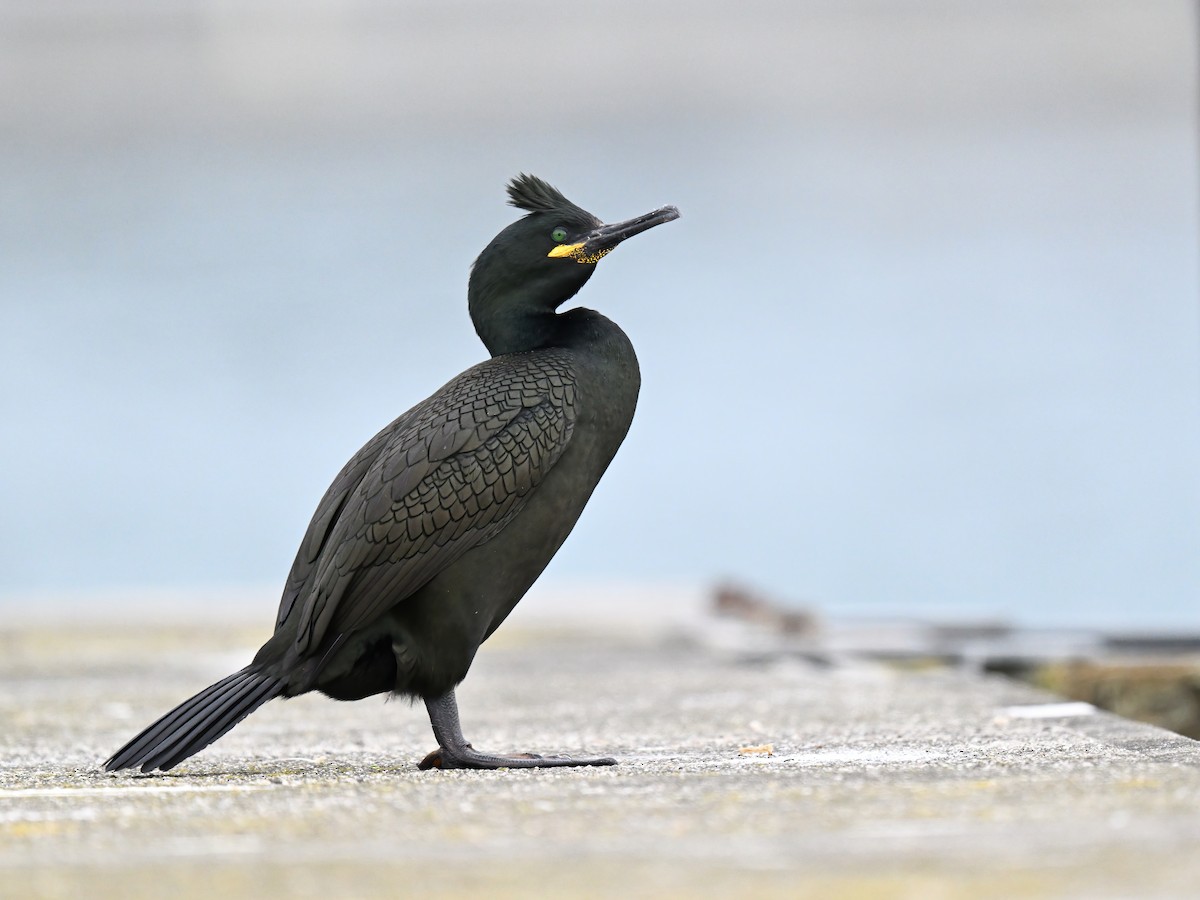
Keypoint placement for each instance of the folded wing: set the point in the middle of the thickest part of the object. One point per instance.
(443, 478)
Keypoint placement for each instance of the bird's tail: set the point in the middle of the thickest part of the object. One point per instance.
(197, 722)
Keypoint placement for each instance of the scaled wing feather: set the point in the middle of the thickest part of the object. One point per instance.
(443, 478)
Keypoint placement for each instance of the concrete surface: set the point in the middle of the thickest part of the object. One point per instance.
(881, 783)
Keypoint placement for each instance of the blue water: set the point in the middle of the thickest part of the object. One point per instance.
(885, 366)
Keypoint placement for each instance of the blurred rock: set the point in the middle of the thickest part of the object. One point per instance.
(1162, 693)
(740, 602)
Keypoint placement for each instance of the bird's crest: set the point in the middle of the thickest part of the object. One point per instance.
(532, 194)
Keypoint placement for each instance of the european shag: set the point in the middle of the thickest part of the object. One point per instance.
(435, 529)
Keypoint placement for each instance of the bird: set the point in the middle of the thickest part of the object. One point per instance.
(430, 535)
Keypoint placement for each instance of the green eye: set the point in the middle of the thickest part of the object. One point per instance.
(559, 234)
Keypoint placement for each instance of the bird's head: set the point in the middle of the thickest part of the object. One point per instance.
(541, 261)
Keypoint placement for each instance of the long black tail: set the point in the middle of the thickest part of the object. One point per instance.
(197, 722)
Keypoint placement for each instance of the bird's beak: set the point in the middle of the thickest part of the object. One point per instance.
(599, 242)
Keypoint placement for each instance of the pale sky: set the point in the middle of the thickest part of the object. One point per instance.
(925, 336)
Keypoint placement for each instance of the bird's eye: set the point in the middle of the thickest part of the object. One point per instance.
(559, 234)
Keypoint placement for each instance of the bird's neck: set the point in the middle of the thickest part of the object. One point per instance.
(515, 311)
(514, 331)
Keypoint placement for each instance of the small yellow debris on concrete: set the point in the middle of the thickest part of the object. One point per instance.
(759, 750)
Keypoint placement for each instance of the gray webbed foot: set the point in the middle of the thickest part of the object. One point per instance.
(455, 753)
(467, 757)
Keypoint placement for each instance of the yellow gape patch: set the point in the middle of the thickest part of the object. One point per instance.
(577, 253)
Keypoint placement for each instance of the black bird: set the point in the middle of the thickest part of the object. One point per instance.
(435, 529)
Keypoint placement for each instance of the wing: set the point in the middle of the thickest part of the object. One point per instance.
(445, 477)
(326, 516)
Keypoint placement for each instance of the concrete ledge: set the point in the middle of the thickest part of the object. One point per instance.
(771, 779)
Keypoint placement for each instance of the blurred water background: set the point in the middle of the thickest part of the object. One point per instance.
(926, 337)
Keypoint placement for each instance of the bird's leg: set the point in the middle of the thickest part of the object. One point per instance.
(454, 752)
